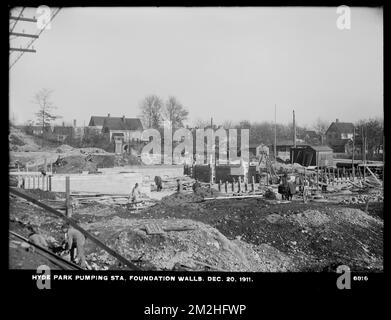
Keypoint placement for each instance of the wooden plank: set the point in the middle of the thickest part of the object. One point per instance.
(235, 197)
(373, 175)
(153, 228)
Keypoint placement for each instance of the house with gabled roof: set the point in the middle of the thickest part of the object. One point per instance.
(127, 128)
(339, 135)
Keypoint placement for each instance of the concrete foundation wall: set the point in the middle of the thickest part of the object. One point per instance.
(118, 180)
(202, 173)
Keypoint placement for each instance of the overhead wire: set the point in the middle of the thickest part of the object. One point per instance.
(20, 14)
(33, 40)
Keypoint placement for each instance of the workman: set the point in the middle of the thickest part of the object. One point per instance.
(75, 241)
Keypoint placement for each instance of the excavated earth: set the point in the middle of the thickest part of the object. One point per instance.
(227, 235)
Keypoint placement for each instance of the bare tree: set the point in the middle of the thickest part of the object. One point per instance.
(201, 124)
(228, 124)
(320, 126)
(45, 114)
(175, 112)
(151, 111)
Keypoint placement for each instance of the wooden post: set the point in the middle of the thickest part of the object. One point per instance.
(317, 178)
(50, 183)
(232, 185)
(219, 185)
(239, 184)
(253, 185)
(51, 167)
(68, 204)
(245, 186)
(226, 186)
(353, 150)
(33, 182)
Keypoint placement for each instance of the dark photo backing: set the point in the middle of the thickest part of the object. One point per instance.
(238, 285)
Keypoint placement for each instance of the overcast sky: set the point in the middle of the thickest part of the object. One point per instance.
(225, 63)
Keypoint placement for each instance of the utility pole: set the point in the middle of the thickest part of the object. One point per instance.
(22, 34)
(294, 130)
(354, 133)
(275, 134)
(294, 138)
(34, 37)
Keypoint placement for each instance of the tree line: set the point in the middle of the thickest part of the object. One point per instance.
(155, 112)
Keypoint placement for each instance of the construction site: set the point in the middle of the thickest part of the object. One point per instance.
(227, 187)
(229, 217)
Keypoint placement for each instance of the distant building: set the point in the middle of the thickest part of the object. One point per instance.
(61, 133)
(117, 128)
(339, 135)
(283, 148)
(97, 121)
(78, 132)
(311, 137)
(321, 156)
(129, 129)
(37, 130)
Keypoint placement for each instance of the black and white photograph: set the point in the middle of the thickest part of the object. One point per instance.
(222, 142)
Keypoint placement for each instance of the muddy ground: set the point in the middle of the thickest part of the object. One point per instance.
(229, 235)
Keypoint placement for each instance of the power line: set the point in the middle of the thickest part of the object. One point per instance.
(18, 34)
(33, 40)
(20, 14)
(23, 50)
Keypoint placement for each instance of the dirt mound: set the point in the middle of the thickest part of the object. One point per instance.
(103, 160)
(128, 159)
(184, 242)
(75, 164)
(92, 150)
(188, 197)
(356, 217)
(64, 148)
(180, 198)
(19, 141)
(312, 218)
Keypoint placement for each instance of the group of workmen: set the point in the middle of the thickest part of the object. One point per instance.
(72, 244)
(288, 188)
(135, 194)
(74, 241)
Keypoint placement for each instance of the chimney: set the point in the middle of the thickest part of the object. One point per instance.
(74, 123)
(108, 115)
(336, 120)
(123, 118)
(294, 130)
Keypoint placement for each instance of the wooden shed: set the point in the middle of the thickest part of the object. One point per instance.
(321, 156)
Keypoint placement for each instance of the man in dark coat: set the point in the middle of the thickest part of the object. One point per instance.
(158, 182)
